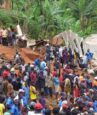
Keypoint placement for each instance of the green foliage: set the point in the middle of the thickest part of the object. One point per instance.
(46, 18)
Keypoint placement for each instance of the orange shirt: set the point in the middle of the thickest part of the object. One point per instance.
(94, 83)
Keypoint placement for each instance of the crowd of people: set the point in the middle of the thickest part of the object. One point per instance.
(7, 36)
(59, 84)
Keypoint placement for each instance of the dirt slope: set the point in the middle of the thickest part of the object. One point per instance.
(26, 53)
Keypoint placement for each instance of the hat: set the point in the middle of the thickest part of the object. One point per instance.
(16, 98)
(65, 106)
(95, 78)
(12, 70)
(32, 65)
(38, 106)
(21, 91)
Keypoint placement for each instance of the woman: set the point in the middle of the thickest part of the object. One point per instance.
(67, 86)
(76, 91)
(56, 85)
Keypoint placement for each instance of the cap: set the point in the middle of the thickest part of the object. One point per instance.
(95, 78)
(38, 106)
(65, 106)
(21, 91)
(12, 70)
(64, 102)
(16, 98)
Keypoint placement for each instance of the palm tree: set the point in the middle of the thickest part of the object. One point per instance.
(83, 10)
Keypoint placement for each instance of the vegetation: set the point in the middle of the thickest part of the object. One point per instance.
(46, 18)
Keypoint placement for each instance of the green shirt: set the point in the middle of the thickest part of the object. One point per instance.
(7, 113)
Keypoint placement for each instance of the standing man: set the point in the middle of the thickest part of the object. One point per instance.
(89, 57)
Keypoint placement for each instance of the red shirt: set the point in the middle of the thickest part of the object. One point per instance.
(54, 73)
(5, 74)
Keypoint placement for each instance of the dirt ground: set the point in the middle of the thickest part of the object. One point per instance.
(28, 54)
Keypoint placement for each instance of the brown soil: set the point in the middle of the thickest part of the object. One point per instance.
(28, 54)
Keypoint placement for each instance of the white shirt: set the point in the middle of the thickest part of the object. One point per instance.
(60, 51)
(31, 113)
(85, 60)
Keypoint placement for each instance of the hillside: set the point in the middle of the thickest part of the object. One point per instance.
(27, 54)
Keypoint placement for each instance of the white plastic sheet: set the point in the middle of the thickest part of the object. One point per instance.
(91, 43)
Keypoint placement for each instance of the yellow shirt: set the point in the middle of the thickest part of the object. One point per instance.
(81, 78)
(32, 94)
(2, 107)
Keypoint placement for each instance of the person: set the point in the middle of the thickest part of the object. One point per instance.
(33, 93)
(94, 83)
(9, 101)
(89, 55)
(16, 85)
(42, 99)
(15, 108)
(76, 91)
(9, 87)
(31, 111)
(49, 85)
(7, 111)
(84, 63)
(56, 85)
(2, 107)
(4, 37)
(5, 84)
(67, 86)
(57, 66)
(43, 64)
(26, 90)
(38, 109)
(1, 35)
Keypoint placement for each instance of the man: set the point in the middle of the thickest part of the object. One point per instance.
(43, 65)
(33, 92)
(89, 56)
(56, 85)
(9, 101)
(15, 108)
(4, 37)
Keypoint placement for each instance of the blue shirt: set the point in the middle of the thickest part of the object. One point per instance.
(95, 106)
(43, 65)
(60, 103)
(25, 100)
(14, 110)
(37, 62)
(89, 55)
(56, 81)
(26, 89)
(9, 102)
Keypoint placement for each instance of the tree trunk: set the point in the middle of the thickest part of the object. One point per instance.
(6, 4)
(82, 23)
